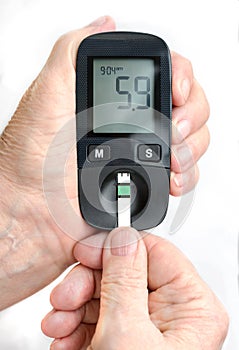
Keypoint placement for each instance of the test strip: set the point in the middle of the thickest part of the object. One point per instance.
(123, 199)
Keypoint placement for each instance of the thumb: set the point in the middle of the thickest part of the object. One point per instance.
(65, 49)
(48, 104)
(124, 293)
(52, 94)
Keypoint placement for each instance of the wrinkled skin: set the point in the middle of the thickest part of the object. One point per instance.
(115, 301)
(36, 246)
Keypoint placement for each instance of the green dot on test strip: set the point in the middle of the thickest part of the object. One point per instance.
(124, 190)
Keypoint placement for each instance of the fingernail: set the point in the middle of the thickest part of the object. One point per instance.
(184, 156)
(183, 129)
(177, 178)
(185, 88)
(124, 242)
(98, 22)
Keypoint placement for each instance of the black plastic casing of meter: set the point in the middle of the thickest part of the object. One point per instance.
(97, 180)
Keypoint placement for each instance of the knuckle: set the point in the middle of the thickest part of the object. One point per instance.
(195, 149)
(199, 143)
(63, 40)
(221, 322)
(217, 312)
(205, 106)
(179, 60)
(202, 102)
(115, 287)
(125, 278)
(207, 136)
(44, 327)
(222, 317)
(187, 67)
(224, 323)
(188, 64)
(63, 44)
(191, 178)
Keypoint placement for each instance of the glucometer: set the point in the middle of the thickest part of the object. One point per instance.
(123, 122)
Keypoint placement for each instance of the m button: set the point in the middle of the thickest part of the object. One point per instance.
(149, 153)
(98, 152)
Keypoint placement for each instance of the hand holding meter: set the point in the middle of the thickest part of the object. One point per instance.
(123, 106)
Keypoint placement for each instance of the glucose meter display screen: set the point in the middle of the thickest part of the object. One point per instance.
(123, 95)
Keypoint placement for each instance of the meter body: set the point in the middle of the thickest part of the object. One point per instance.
(123, 119)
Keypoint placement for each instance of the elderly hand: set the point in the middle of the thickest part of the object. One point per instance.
(44, 233)
(134, 293)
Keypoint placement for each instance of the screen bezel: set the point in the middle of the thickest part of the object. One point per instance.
(90, 89)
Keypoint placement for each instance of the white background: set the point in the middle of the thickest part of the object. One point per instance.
(207, 33)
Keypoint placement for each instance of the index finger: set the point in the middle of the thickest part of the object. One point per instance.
(162, 267)
(166, 262)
